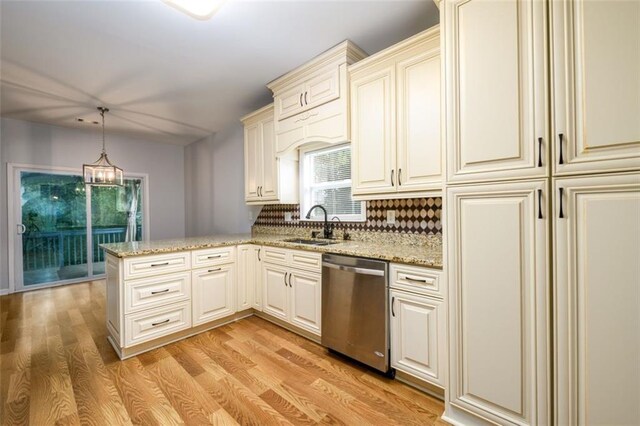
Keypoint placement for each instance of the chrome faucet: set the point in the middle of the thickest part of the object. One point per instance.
(328, 229)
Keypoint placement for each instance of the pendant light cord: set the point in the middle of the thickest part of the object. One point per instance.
(102, 111)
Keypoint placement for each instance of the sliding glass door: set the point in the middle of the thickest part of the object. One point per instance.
(116, 216)
(60, 224)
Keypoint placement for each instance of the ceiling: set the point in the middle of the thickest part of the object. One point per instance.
(165, 75)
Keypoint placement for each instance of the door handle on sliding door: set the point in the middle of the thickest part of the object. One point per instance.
(21, 228)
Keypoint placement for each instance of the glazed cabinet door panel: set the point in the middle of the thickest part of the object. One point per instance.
(596, 85)
(418, 336)
(290, 102)
(323, 88)
(246, 283)
(269, 188)
(498, 291)
(496, 94)
(274, 290)
(373, 131)
(305, 300)
(252, 162)
(418, 123)
(213, 293)
(597, 300)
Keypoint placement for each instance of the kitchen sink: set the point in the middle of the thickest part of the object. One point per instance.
(310, 242)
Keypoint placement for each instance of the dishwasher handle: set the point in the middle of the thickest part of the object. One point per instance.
(355, 270)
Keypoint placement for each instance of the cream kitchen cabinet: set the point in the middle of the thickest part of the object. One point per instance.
(596, 85)
(292, 287)
(418, 333)
(275, 291)
(495, 59)
(395, 113)
(499, 288)
(311, 102)
(597, 300)
(249, 287)
(213, 293)
(267, 178)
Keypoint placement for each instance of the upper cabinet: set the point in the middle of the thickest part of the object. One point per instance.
(596, 85)
(395, 120)
(267, 178)
(496, 89)
(311, 102)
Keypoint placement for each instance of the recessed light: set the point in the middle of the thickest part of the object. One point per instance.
(199, 9)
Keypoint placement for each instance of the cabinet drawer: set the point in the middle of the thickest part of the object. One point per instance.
(213, 256)
(149, 325)
(305, 260)
(415, 279)
(275, 255)
(145, 266)
(151, 292)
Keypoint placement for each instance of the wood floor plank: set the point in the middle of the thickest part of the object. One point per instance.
(56, 367)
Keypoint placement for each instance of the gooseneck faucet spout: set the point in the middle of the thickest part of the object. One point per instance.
(328, 230)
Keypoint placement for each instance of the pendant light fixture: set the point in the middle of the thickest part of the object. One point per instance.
(102, 172)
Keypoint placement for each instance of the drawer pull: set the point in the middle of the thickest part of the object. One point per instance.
(415, 280)
(214, 270)
(214, 257)
(153, 265)
(161, 322)
(160, 291)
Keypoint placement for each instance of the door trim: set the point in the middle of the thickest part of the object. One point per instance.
(12, 205)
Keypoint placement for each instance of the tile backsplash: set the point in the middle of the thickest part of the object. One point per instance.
(413, 216)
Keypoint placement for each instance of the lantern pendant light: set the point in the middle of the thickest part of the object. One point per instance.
(102, 172)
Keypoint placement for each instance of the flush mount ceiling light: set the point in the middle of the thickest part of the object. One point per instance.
(102, 172)
(199, 9)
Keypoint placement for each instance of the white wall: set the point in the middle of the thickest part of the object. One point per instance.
(216, 165)
(41, 144)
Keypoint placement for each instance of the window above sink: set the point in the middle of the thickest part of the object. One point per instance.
(325, 179)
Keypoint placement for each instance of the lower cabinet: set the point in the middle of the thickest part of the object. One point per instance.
(305, 293)
(499, 288)
(275, 290)
(418, 336)
(597, 300)
(292, 294)
(249, 287)
(213, 293)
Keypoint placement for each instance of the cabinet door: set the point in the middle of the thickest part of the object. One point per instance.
(322, 88)
(597, 300)
(417, 336)
(418, 127)
(495, 59)
(290, 102)
(246, 282)
(213, 293)
(498, 292)
(274, 291)
(596, 85)
(252, 162)
(257, 289)
(305, 300)
(269, 189)
(373, 140)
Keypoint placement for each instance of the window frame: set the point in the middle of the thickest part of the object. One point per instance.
(305, 190)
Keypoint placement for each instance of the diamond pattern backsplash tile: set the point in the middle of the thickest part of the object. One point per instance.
(413, 216)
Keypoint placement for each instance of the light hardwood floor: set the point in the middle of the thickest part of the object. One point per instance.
(56, 367)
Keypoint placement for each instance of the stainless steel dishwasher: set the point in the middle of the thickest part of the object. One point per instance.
(354, 309)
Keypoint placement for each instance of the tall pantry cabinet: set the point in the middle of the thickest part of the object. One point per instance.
(542, 104)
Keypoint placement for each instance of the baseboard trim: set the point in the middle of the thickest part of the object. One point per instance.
(4, 291)
(300, 331)
(422, 385)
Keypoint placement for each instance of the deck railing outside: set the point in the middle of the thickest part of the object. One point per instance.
(42, 250)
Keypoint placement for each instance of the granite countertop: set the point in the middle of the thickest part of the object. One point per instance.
(428, 255)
